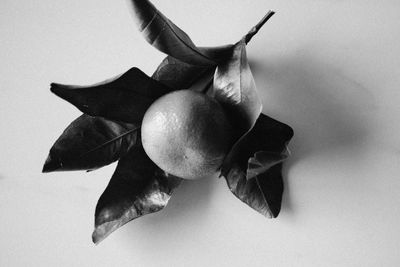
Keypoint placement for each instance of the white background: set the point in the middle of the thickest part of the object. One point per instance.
(330, 69)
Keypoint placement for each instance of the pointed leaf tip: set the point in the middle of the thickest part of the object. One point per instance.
(64, 92)
(137, 187)
(57, 88)
(102, 231)
(123, 98)
(50, 165)
(90, 143)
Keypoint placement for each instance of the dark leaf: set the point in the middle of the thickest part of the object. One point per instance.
(125, 98)
(89, 143)
(235, 89)
(234, 85)
(179, 75)
(138, 187)
(262, 161)
(163, 34)
(263, 193)
(253, 167)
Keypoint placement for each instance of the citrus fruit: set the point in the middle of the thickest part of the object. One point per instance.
(187, 134)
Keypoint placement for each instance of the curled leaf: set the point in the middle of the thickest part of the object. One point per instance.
(137, 187)
(235, 89)
(252, 169)
(234, 85)
(89, 143)
(125, 98)
(178, 74)
(163, 34)
(263, 193)
(262, 161)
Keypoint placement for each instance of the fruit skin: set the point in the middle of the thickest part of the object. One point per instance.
(187, 134)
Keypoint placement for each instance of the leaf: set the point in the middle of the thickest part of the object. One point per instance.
(264, 160)
(89, 143)
(138, 187)
(164, 35)
(263, 193)
(253, 167)
(235, 89)
(179, 75)
(125, 98)
(234, 85)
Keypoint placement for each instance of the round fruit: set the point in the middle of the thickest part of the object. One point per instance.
(187, 134)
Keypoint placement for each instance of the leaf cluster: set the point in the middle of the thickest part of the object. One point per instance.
(109, 128)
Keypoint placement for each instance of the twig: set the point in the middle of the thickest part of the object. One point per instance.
(256, 28)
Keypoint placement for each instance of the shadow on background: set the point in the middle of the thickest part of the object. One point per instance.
(327, 108)
(188, 206)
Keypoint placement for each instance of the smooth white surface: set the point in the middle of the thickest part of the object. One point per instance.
(330, 69)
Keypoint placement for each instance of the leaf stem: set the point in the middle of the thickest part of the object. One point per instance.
(257, 27)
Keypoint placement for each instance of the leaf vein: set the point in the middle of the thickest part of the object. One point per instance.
(108, 142)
